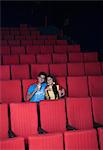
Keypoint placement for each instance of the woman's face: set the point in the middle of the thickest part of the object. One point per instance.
(49, 80)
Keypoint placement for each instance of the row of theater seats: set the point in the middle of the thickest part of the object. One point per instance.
(26, 71)
(48, 58)
(32, 41)
(15, 90)
(37, 49)
(53, 116)
(86, 139)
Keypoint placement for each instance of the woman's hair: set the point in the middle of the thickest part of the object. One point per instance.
(54, 86)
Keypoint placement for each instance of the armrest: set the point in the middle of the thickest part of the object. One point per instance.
(11, 134)
(97, 125)
(42, 131)
(69, 127)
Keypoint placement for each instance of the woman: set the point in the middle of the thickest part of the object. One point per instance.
(53, 90)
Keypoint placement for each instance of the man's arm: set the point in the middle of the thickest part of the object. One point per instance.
(29, 96)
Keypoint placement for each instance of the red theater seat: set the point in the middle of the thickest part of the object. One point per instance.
(19, 37)
(44, 59)
(46, 142)
(97, 104)
(90, 56)
(4, 121)
(13, 144)
(58, 69)
(4, 72)
(79, 113)
(59, 58)
(75, 57)
(10, 59)
(24, 120)
(62, 82)
(4, 50)
(96, 86)
(53, 116)
(100, 132)
(73, 48)
(93, 68)
(26, 84)
(50, 42)
(14, 42)
(81, 140)
(38, 42)
(33, 49)
(60, 48)
(77, 86)
(27, 59)
(46, 49)
(26, 42)
(37, 68)
(3, 43)
(17, 50)
(10, 91)
(20, 71)
(61, 42)
(76, 69)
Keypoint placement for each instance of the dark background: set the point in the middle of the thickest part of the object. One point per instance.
(82, 21)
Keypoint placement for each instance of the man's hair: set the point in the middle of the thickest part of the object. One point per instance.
(42, 73)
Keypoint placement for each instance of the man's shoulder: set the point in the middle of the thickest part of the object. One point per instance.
(33, 85)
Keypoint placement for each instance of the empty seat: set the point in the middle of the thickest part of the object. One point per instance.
(20, 71)
(47, 142)
(26, 84)
(27, 59)
(77, 86)
(96, 86)
(75, 57)
(81, 140)
(90, 56)
(10, 59)
(79, 113)
(33, 49)
(46, 49)
(26, 42)
(37, 68)
(76, 69)
(38, 42)
(61, 42)
(19, 37)
(50, 42)
(100, 133)
(93, 68)
(13, 144)
(4, 50)
(53, 116)
(58, 69)
(97, 104)
(62, 82)
(59, 58)
(17, 50)
(60, 48)
(4, 121)
(73, 48)
(14, 42)
(4, 72)
(3, 43)
(44, 59)
(24, 120)
(10, 91)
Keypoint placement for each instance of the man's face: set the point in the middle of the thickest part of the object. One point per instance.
(41, 78)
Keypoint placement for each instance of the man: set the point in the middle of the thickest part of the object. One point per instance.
(36, 92)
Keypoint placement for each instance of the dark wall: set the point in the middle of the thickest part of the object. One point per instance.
(82, 21)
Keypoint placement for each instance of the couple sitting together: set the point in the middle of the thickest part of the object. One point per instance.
(45, 88)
